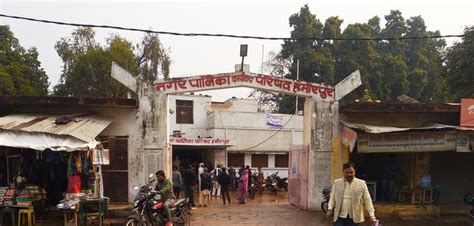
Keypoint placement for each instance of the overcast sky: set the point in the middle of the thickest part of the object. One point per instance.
(210, 55)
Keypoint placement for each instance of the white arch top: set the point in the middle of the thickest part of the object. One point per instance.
(243, 79)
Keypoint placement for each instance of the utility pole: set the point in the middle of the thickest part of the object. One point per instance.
(297, 78)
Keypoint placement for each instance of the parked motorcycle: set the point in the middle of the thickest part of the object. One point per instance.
(469, 200)
(282, 183)
(271, 183)
(148, 208)
(326, 197)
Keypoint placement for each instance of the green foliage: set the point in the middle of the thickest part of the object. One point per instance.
(20, 69)
(388, 68)
(87, 65)
(459, 77)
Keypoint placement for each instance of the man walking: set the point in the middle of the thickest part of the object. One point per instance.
(206, 185)
(348, 196)
(189, 177)
(224, 181)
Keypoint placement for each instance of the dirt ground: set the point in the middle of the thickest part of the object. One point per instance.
(276, 210)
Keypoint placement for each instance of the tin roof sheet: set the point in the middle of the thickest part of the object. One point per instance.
(85, 128)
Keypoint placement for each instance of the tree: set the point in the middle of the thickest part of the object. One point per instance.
(459, 68)
(389, 68)
(20, 70)
(87, 64)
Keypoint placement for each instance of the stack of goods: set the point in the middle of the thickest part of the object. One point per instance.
(71, 201)
(24, 200)
(35, 192)
(3, 190)
(9, 198)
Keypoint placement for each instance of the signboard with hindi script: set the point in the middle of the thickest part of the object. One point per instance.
(244, 79)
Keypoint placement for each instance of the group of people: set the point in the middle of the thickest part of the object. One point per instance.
(214, 183)
(348, 197)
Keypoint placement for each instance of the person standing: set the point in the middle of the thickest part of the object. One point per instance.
(349, 195)
(206, 184)
(216, 187)
(188, 180)
(177, 182)
(260, 181)
(242, 191)
(224, 181)
(232, 178)
(200, 171)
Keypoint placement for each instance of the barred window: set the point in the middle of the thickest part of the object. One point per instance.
(236, 160)
(281, 160)
(184, 111)
(259, 160)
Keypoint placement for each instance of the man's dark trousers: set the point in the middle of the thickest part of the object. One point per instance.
(345, 222)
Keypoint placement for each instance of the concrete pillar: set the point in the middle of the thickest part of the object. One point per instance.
(248, 159)
(320, 148)
(271, 161)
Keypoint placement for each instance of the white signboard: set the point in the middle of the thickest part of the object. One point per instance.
(347, 85)
(426, 141)
(124, 77)
(101, 157)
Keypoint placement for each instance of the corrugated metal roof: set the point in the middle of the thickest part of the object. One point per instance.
(387, 129)
(85, 128)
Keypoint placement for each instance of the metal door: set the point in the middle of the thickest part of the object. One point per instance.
(115, 175)
(298, 176)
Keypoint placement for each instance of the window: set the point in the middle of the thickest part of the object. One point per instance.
(236, 160)
(184, 111)
(259, 160)
(281, 160)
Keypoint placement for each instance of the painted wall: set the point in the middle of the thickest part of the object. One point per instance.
(236, 105)
(249, 131)
(201, 107)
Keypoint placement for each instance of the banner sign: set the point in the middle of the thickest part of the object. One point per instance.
(275, 120)
(200, 141)
(101, 156)
(349, 137)
(425, 141)
(467, 112)
(243, 79)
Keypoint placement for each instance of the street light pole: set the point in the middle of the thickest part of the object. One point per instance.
(297, 78)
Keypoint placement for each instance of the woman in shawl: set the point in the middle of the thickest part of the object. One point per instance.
(242, 191)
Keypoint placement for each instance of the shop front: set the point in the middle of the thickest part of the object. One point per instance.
(418, 165)
(50, 161)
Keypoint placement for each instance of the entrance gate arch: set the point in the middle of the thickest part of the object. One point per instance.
(320, 120)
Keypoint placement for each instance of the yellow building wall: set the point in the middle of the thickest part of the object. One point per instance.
(340, 155)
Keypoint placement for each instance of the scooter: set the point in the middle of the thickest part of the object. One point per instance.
(326, 197)
(148, 208)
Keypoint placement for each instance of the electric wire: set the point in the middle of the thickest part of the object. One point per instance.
(231, 35)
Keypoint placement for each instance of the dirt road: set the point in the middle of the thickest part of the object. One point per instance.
(276, 210)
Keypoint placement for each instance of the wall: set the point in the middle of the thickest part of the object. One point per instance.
(201, 107)
(249, 131)
(236, 105)
(453, 171)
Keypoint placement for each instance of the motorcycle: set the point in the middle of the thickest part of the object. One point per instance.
(271, 183)
(148, 208)
(282, 183)
(326, 197)
(252, 186)
(469, 201)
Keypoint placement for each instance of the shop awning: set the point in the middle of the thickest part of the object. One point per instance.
(388, 129)
(387, 139)
(56, 132)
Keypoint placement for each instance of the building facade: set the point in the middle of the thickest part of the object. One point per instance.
(231, 133)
